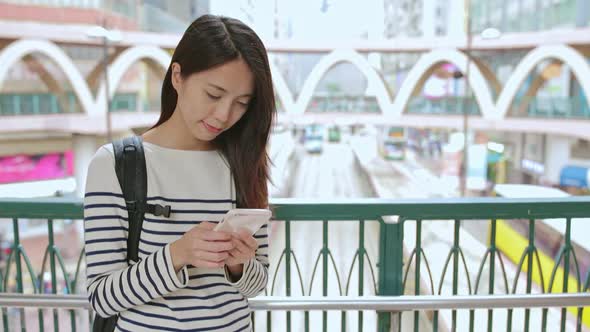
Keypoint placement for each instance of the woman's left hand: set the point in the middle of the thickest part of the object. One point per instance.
(245, 247)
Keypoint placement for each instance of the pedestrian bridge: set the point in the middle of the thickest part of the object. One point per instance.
(507, 106)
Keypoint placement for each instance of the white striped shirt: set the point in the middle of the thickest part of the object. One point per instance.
(149, 295)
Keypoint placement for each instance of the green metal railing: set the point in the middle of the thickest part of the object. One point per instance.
(545, 16)
(393, 268)
(47, 103)
(447, 105)
(57, 210)
(555, 107)
(538, 107)
(543, 107)
(343, 104)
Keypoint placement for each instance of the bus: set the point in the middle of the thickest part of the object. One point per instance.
(334, 134)
(393, 144)
(313, 138)
(512, 240)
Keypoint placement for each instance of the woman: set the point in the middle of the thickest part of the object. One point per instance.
(205, 155)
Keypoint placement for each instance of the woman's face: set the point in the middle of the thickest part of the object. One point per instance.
(213, 100)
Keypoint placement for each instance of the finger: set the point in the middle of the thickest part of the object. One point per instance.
(207, 264)
(216, 246)
(252, 243)
(209, 235)
(215, 257)
(234, 255)
(206, 225)
(243, 251)
(241, 247)
(248, 239)
(242, 232)
(237, 256)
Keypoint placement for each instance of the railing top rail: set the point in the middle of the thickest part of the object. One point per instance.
(42, 208)
(352, 209)
(440, 208)
(379, 303)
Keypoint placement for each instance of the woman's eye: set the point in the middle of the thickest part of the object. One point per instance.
(214, 97)
(245, 104)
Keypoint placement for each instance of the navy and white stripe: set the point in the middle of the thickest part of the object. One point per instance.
(149, 295)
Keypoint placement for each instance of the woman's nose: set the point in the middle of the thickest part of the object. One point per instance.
(222, 112)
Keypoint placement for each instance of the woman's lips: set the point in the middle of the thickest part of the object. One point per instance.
(211, 129)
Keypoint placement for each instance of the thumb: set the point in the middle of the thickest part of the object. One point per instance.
(206, 225)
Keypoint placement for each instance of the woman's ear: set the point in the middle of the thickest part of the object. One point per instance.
(176, 76)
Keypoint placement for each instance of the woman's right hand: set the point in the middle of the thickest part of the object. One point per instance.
(201, 246)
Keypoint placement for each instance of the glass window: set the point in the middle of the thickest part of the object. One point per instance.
(26, 104)
(45, 101)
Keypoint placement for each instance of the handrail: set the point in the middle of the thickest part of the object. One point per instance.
(378, 303)
(348, 209)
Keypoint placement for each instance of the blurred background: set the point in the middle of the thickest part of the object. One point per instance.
(393, 99)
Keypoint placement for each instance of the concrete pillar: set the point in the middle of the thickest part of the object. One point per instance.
(519, 142)
(455, 20)
(428, 18)
(84, 147)
(375, 31)
(557, 155)
(514, 152)
(582, 13)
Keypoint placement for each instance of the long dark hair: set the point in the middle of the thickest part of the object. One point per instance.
(212, 41)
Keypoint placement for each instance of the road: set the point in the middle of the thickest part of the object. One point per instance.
(332, 174)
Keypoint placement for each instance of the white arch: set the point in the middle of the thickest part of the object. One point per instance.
(19, 49)
(123, 62)
(576, 61)
(281, 89)
(476, 80)
(481, 89)
(317, 73)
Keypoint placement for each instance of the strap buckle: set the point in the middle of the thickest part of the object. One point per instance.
(160, 210)
(129, 148)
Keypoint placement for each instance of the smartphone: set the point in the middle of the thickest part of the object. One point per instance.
(250, 219)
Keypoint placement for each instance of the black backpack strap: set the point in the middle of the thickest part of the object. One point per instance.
(132, 175)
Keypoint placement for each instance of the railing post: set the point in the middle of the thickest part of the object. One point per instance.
(51, 251)
(16, 249)
(390, 268)
(287, 268)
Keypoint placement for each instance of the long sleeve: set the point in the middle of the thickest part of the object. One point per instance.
(113, 285)
(255, 273)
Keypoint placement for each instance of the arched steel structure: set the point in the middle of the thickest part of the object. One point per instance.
(482, 80)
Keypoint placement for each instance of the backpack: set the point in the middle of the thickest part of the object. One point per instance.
(132, 175)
